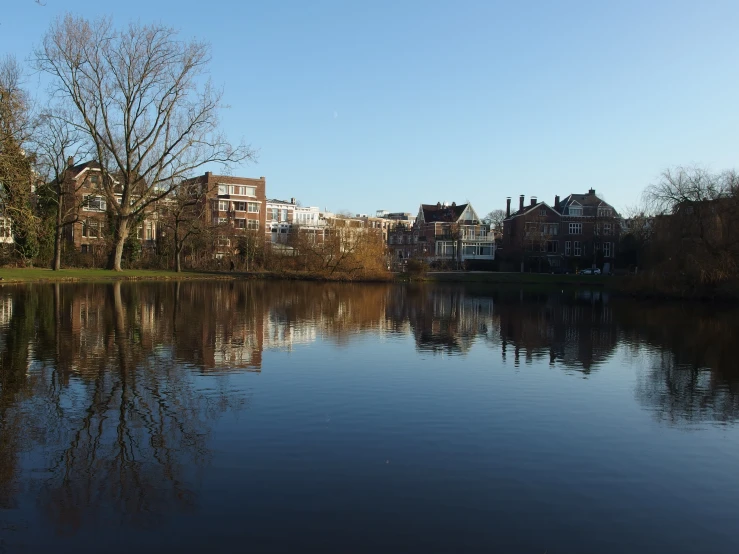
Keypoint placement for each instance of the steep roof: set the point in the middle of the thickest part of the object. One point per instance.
(589, 199)
(440, 213)
(526, 209)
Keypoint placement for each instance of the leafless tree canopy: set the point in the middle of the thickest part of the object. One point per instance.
(688, 185)
(142, 96)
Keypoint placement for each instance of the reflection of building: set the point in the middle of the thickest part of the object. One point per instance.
(581, 334)
(448, 319)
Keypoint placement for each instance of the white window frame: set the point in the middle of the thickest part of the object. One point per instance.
(222, 189)
(607, 228)
(99, 203)
(575, 228)
(575, 211)
(223, 205)
(577, 248)
(252, 207)
(252, 224)
(568, 248)
(607, 250)
(240, 223)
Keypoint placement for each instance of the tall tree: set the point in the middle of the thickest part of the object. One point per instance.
(16, 161)
(58, 145)
(140, 95)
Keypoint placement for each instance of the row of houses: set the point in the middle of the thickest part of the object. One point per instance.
(577, 231)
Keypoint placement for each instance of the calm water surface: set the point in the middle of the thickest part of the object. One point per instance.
(287, 417)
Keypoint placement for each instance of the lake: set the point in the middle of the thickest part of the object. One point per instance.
(304, 417)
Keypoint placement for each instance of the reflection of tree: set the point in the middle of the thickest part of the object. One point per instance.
(690, 360)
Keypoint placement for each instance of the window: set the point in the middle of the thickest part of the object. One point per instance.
(94, 204)
(552, 246)
(237, 189)
(272, 214)
(607, 228)
(149, 231)
(578, 248)
(222, 241)
(253, 207)
(284, 215)
(575, 210)
(252, 224)
(85, 249)
(240, 223)
(250, 191)
(90, 229)
(222, 220)
(240, 206)
(95, 180)
(5, 231)
(444, 248)
(222, 189)
(606, 249)
(605, 212)
(223, 206)
(283, 230)
(568, 248)
(576, 228)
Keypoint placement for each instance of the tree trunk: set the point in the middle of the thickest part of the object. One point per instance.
(121, 234)
(57, 263)
(177, 247)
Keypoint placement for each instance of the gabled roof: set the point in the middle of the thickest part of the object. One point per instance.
(529, 208)
(589, 199)
(433, 213)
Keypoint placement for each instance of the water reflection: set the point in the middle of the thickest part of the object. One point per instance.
(103, 382)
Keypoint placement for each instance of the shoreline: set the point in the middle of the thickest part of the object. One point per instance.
(627, 286)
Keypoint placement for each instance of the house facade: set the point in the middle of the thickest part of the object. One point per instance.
(443, 234)
(577, 232)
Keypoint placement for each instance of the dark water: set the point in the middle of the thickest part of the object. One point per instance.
(287, 417)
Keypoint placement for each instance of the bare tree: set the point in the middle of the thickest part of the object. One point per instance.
(696, 224)
(58, 145)
(495, 220)
(139, 94)
(183, 213)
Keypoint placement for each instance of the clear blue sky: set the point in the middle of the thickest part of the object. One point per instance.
(387, 104)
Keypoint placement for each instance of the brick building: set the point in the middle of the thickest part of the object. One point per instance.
(580, 231)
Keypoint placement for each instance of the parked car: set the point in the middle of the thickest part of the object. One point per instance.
(590, 271)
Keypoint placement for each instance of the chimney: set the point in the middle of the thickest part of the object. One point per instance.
(520, 202)
(292, 201)
(556, 202)
(208, 175)
(438, 205)
(70, 161)
(508, 206)
(454, 204)
(533, 200)
(591, 192)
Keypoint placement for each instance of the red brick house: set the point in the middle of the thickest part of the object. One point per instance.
(578, 232)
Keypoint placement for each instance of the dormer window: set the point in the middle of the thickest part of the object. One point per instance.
(575, 210)
(605, 212)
